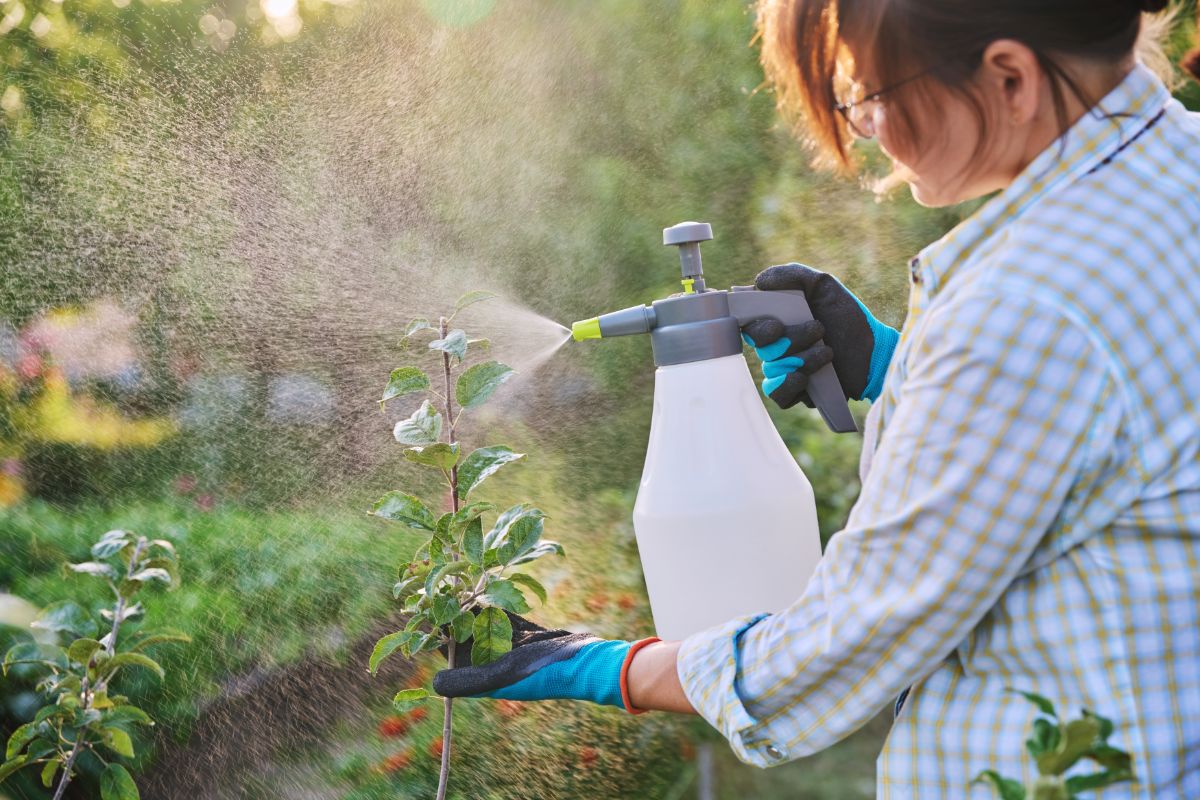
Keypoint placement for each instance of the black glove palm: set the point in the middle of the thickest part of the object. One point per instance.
(860, 346)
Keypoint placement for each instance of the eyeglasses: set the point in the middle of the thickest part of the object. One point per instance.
(860, 114)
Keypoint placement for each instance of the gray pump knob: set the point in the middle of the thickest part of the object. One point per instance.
(687, 236)
(687, 232)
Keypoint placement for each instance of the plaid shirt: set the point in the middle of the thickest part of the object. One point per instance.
(1030, 507)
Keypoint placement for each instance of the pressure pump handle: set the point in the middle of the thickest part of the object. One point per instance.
(747, 303)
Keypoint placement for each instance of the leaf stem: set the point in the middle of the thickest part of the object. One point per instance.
(66, 775)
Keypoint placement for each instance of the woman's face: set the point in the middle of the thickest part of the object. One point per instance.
(941, 160)
(970, 141)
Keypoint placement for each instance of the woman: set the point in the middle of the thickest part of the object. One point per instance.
(1030, 509)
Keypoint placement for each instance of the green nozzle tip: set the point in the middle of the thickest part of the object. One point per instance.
(586, 329)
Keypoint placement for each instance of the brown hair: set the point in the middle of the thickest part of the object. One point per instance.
(805, 54)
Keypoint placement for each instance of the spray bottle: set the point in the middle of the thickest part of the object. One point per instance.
(725, 519)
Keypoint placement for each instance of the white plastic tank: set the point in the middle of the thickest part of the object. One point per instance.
(725, 519)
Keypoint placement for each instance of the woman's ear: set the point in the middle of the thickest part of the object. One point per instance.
(1011, 74)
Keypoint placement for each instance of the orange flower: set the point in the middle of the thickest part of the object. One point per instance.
(627, 602)
(687, 750)
(588, 756)
(417, 714)
(396, 761)
(435, 748)
(510, 708)
(597, 602)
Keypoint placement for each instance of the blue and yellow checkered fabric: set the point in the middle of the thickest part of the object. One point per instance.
(1030, 509)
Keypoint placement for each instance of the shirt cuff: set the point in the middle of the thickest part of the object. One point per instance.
(708, 664)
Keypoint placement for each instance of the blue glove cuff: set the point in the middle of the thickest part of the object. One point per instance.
(593, 673)
(881, 356)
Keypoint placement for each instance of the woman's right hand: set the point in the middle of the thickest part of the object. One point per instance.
(859, 345)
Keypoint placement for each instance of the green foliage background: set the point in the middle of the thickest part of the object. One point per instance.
(269, 204)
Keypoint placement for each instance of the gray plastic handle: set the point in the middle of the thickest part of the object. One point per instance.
(791, 308)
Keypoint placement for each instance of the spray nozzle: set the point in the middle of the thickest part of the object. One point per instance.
(626, 322)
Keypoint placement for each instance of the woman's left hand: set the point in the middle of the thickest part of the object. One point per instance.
(545, 665)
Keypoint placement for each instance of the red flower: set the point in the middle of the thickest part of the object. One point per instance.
(418, 714)
(185, 484)
(435, 748)
(687, 750)
(627, 601)
(588, 756)
(205, 502)
(29, 366)
(394, 725)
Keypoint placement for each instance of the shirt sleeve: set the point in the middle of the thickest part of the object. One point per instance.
(979, 455)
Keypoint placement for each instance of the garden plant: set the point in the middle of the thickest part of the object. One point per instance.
(461, 583)
(81, 715)
(1058, 745)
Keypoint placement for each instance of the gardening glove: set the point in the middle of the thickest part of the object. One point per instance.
(546, 665)
(860, 346)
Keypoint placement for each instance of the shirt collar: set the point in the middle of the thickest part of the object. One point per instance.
(1123, 113)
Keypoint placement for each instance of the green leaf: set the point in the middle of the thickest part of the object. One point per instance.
(407, 587)
(404, 380)
(117, 784)
(1045, 737)
(48, 771)
(408, 699)
(499, 532)
(445, 609)
(151, 574)
(118, 741)
(481, 464)
(470, 298)
(159, 638)
(479, 382)
(9, 767)
(81, 650)
(97, 568)
(132, 660)
(125, 716)
(469, 513)
(542, 548)
(440, 455)
(21, 737)
(66, 616)
(455, 344)
(1078, 736)
(165, 545)
(1111, 758)
(423, 427)
(48, 654)
(1097, 780)
(405, 509)
(441, 573)
(462, 626)
(523, 536)
(1007, 788)
(530, 583)
(493, 636)
(473, 542)
(1044, 705)
(1106, 725)
(385, 647)
(504, 594)
(417, 325)
(111, 543)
